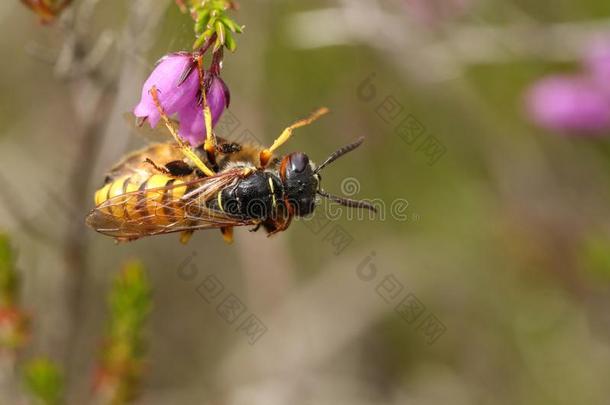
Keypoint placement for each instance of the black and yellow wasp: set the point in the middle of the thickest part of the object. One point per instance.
(171, 187)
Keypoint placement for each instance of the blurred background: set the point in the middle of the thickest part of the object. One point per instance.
(485, 278)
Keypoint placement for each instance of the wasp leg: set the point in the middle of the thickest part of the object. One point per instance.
(210, 140)
(227, 234)
(120, 240)
(184, 146)
(185, 237)
(265, 154)
(228, 148)
(175, 168)
(256, 227)
(160, 169)
(274, 227)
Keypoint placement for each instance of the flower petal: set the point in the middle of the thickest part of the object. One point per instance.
(192, 124)
(175, 91)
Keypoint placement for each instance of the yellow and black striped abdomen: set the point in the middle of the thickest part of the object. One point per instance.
(152, 199)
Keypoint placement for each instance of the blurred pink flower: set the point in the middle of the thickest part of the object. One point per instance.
(177, 81)
(597, 62)
(574, 104)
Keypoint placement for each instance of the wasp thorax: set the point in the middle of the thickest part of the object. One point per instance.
(300, 183)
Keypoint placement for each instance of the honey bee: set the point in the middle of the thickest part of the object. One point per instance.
(170, 187)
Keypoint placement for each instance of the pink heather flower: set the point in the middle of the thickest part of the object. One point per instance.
(177, 81)
(192, 124)
(574, 104)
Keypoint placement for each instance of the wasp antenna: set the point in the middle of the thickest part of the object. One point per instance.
(340, 152)
(348, 202)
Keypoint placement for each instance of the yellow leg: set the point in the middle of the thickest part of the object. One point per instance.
(227, 234)
(210, 140)
(184, 146)
(266, 154)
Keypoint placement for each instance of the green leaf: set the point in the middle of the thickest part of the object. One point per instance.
(211, 18)
(199, 42)
(230, 42)
(220, 33)
(202, 38)
(211, 26)
(232, 25)
(202, 21)
(217, 45)
(44, 381)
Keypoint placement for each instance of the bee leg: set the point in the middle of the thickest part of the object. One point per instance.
(184, 146)
(265, 154)
(210, 140)
(227, 234)
(185, 237)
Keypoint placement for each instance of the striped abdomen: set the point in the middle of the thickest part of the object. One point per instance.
(150, 198)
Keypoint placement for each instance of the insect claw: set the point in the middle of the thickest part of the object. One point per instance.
(227, 234)
(185, 237)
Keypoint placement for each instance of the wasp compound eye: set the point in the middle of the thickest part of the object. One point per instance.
(298, 162)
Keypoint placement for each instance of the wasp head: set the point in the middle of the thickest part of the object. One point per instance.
(301, 183)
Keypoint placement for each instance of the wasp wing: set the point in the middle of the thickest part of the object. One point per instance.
(154, 211)
(135, 162)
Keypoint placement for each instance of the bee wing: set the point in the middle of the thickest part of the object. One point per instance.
(142, 129)
(153, 211)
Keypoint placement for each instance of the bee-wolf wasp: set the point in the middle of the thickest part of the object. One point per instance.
(171, 187)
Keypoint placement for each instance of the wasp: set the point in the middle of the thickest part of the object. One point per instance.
(172, 187)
